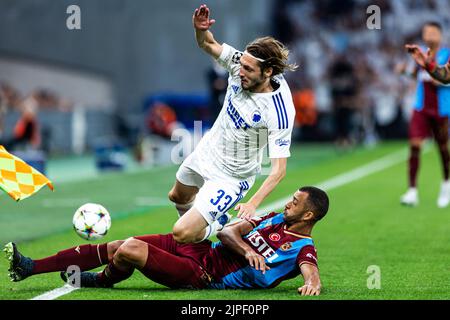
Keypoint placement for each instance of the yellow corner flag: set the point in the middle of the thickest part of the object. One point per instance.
(18, 179)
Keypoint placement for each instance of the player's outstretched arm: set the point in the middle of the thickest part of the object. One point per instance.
(312, 284)
(231, 237)
(204, 37)
(426, 61)
(248, 210)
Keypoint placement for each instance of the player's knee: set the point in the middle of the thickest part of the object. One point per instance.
(178, 198)
(112, 247)
(181, 235)
(173, 196)
(129, 250)
(415, 143)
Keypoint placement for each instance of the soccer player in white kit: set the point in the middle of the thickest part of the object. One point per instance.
(258, 110)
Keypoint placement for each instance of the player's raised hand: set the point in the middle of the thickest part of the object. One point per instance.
(308, 290)
(418, 55)
(246, 210)
(201, 20)
(256, 261)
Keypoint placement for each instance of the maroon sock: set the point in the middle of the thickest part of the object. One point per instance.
(111, 274)
(445, 157)
(86, 257)
(413, 166)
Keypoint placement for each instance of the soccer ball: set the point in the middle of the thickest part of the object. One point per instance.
(91, 221)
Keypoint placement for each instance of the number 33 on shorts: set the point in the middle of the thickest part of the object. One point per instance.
(222, 201)
(215, 199)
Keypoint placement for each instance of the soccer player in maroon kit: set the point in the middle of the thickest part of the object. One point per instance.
(426, 60)
(256, 253)
(430, 116)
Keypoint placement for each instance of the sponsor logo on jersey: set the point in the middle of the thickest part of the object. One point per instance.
(282, 142)
(286, 246)
(235, 88)
(310, 256)
(238, 121)
(261, 246)
(274, 237)
(213, 214)
(77, 249)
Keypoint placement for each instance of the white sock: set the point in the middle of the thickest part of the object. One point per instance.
(212, 230)
(183, 208)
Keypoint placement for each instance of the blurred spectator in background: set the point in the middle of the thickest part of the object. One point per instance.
(161, 120)
(305, 107)
(26, 132)
(9, 95)
(3, 110)
(217, 78)
(343, 92)
(46, 99)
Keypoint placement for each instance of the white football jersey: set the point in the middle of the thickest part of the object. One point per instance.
(247, 123)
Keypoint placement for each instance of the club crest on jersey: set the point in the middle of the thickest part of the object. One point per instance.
(256, 117)
(274, 237)
(286, 246)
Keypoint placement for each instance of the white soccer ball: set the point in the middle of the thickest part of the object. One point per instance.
(91, 221)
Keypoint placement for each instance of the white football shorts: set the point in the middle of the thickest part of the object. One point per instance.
(218, 192)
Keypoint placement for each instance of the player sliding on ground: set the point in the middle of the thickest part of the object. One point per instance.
(257, 111)
(256, 253)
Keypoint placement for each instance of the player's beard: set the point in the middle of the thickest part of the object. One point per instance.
(290, 220)
(252, 85)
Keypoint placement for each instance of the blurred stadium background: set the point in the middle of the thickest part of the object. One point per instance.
(109, 96)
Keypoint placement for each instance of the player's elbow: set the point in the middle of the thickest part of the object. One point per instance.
(279, 175)
(278, 169)
(224, 236)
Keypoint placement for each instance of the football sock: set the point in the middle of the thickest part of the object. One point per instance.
(413, 165)
(86, 257)
(211, 230)
(445, 158)
(112, 274)
(183, 208)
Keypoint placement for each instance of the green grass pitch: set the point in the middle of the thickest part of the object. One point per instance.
(365, 226)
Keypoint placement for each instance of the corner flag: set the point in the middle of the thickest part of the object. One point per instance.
(18, 179)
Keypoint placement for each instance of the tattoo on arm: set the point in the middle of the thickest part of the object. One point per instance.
(442, 74)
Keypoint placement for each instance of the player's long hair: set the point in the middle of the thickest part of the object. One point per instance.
(274, 54)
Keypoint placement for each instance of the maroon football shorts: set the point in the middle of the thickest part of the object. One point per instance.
(423, 125)
(175, 265)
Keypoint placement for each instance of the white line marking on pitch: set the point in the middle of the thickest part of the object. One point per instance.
(347, 177)
(335, 182)
(56, 293)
